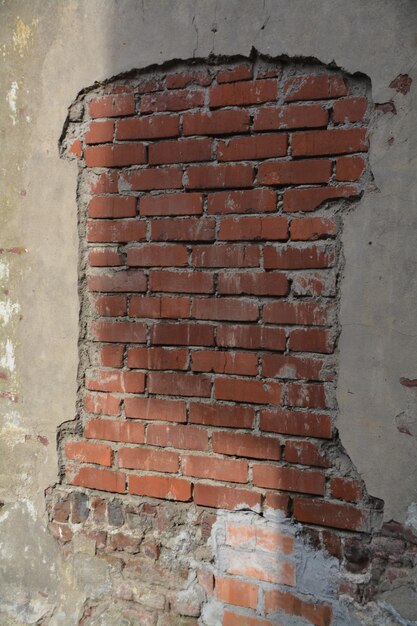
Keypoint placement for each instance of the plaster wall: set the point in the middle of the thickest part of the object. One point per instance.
(52, 50)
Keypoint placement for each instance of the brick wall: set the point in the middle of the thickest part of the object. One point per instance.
(210, 219)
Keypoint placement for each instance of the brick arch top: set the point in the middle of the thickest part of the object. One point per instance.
(209, 217)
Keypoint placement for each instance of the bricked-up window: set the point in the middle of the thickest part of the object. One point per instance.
(209, 217)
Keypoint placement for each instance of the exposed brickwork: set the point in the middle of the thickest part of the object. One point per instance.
(211, 256)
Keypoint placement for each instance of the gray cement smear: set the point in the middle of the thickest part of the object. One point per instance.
(49, 51)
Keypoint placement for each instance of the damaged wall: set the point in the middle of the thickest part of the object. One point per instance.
(70, 46)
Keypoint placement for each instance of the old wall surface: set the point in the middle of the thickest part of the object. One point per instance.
(51, 51)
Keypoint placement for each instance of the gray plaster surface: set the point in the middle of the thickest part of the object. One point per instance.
(52, 49)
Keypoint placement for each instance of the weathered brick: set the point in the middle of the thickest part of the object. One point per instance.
(172, 204)
(299, 313)
(249, 446)
(112, 430)
(159, 307)
(229, 498)
(226, 255)
(86, 452)
(252, 148)
(350, 168)
(117, 155)
(346, 489)
(101, 403)
(220, 176)
(104, 257)
(222, 415)
(225, 309)
(296, 423)
(254, 283)
(291, 116)
(148, 459)
(157, 358)
(294, 367)
(247, 201)
(311, 340)
(314, 87)
(115, 380)
(182, 334)
(177, 436)
(153, 178)
(110, 306)
(100, 132)
(116, 282)
(180, 100)
(181, 282)
(216, 122)
(310, 199)
(243, 71)
(156, 255)
(189, 229)
(254, 228)
(163, 487)
(153, 127)
(322, 513)
(312, 395)
(289, 479)
(311, 228)
(236, 592)
(102, 479)
(305, 453)
(317, 614)
(119, 332)
(172, 384)
(295, 172)
(150, 409)
(293, 257)
(251, 337)
(111, 356)
(182, 79)
(318, 142)
(115, 105)
(261, 537)
(239, 363)
(349, 110)
(180, 151)
(115, 231)
(229, 470)
(243, 93)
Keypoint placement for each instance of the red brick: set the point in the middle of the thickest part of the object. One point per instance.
(112, 206)
(229, 498)
(183, 334)
(119, 332)
(102, 479)
(240, 363)
(299, 313)
(311, 340)
(312, 396)
(237, 592)
(296, 423)
(116, 380)
(177, 436)
(321, 283)
(115, 231)
(100, 132)
(171, 384)
(155, 255)
(149, 85)
(111, 356)
(86, 452)
(153, 409)
(103, 183)
(163, 487)
(293, 367)
(249, 201)
(254, 228)
(201, 229)
(237, 619)
(317, 142)
(305, 453)
(115, 155)
(101, 403)
(76, 148)
(181, 282)
(229, 470)
(226, 255)
(261, 566)
(349, 110)
(104, 257)
(310, 199)
(322, 513)
(254, 536)
(251, 337)
(148, 460)
(292, 257)
(157, 359)
(182, 79)
(180, 151)
(249, 446)
(350, 168)
(216, 123)
(172, 204)
(157, 307)
(132, 280)
(292, 116)
(346, 489)
(295, 172)
(152, 178)
(253, 283)
(153, 127)
(311, 228)
(111, 430)
(220, 176)
(110, 306)
(225, 309)
(248, 92)
(112, 105)
(312, 87)
(223, 415)
(278, 502)
(180, 100)
(243, 71)
(288, 479)
(317, 614)
(252, 148)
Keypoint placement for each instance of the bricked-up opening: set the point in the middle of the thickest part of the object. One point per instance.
(210, 199)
